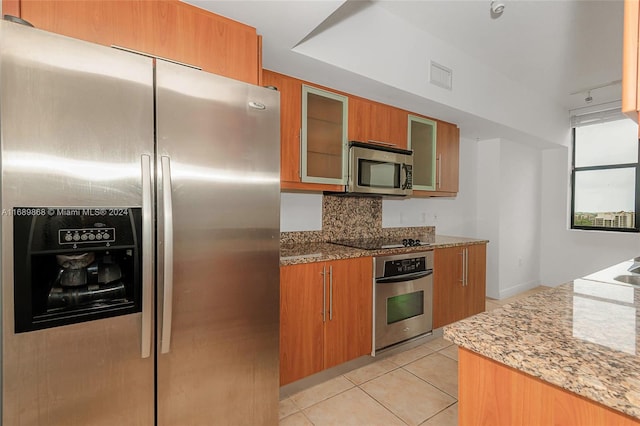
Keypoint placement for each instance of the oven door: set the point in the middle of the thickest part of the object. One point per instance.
(404, 306)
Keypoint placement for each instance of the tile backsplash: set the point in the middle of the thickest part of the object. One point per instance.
(345, 217)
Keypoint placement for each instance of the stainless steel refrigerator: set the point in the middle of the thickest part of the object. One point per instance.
(140, 234)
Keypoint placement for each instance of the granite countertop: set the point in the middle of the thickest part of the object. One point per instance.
(581, 336)
(307, 252)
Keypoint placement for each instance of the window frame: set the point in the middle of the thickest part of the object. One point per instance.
(574, 169)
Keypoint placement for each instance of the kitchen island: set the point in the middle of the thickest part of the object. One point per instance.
(568, 355)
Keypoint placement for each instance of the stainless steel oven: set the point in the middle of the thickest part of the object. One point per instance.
(403, 298)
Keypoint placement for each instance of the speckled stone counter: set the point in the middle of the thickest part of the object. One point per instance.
(295, 250)
(581, 336)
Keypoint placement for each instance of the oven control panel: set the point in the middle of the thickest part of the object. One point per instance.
(397, 265)
(393, 268)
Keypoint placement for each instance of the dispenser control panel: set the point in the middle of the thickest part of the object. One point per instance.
(86, 235)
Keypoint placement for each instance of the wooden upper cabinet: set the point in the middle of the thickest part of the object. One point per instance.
(290, 133)
(447, 158)
(630, 55)
(422, 140)
(447, 162)
(373, 121)
(166, 28)
(324, 136)
(367, 121)
(290, 125)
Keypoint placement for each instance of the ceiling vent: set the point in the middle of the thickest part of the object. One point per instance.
(440, 75)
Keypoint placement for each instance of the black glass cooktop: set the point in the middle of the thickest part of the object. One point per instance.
(381, 243)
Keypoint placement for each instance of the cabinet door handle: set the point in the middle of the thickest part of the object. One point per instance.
(330, 293)
(324, 293)
(466, 266)
(300, 153)
(439, 167)
(462, 271)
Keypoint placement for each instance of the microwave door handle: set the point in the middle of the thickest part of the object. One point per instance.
(405, 185)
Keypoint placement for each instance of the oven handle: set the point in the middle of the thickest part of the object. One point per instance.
(407, 277)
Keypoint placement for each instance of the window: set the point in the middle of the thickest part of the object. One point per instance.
(605, 176)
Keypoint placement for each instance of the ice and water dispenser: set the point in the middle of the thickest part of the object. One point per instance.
(75, 264)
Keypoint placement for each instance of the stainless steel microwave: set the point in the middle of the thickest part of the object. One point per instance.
(379, 169)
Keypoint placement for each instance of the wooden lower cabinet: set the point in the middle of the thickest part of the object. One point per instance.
(459, 283)
(490, 393)
(312, 338)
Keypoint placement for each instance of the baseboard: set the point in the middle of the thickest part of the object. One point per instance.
(517, 289)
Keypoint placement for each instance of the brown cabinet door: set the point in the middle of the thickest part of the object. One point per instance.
(447, 157)
(630, 55)
(448, 292)
(290, 123)
(349, 309)
(301, 326)
(165, 28)
(476, 279)
(373, 121)
(454, 299)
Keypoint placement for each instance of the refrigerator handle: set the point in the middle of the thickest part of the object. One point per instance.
(147, 256)
(167, 223)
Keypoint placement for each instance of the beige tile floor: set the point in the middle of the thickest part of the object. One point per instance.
(418, 386)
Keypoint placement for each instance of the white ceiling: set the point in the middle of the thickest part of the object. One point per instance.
(552, 47)
(555, 47)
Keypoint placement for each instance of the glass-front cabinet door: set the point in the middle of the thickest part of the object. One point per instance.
(422, 140)
(324, 136)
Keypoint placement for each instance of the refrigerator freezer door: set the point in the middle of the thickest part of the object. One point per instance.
(221, 364)
(76, 118)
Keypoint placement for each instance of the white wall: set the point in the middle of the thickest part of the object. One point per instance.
(300, 212)
(488, 213)
(567, 254)
(519, 244)
(509, 197)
